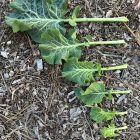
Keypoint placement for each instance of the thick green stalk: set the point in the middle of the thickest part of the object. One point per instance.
(94, 43)
(121, 128)
(104, 42)
(113, 92)
(121, 113)
(114, 19)
(125, 66)
(120, 92)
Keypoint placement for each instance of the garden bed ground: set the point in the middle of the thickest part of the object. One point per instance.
(40, 105)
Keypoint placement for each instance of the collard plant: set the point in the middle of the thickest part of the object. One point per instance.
(111, 130)
(95, 93)
(58, 47)
(37, 16)
(99, 115)
(81, 72)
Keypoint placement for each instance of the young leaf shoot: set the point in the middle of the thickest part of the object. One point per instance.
(110, 130)
(95, 93)
(82, 72)
(99, 115)
(58, 47)
(91, 99)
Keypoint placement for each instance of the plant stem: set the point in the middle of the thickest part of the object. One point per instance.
(121, 128)
(112, 92)
(125, 66)
(121, 113)
(114, 19)
(102, 43)
(106, 42)
(120, 92)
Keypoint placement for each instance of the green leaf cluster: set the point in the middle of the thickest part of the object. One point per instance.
(82, 72)
(44, 21)
(110, 130)
(36, 16)
(99, 115)
(58, 47)
(94, 95)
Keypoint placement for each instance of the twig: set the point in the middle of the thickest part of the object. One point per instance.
(8, 135)
(5, 82)
(131, 31)
(19, 113)
(30, 44)
(88, 6)
(89, 127)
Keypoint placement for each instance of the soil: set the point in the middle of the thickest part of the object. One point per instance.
(38, 104)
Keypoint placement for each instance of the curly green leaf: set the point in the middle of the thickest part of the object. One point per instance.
(110, 130)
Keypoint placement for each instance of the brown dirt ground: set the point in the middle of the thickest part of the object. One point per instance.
(40, 105)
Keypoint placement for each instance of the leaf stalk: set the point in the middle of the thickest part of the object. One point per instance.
(120, 92)
(104, 42)
(125, 66)
(121, 128)
(121, 113)
(112, 92)
(114, 19)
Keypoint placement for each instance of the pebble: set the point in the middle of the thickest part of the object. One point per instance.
(6, 75)
(39, 64)
(9, 42)
(4, 54)
(2, 128)
(11, 73)
(109, 13)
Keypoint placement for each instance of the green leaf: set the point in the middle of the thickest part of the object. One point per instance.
(99, 115)
(73, 34)
(76, 12)
(58, 47)
(36, 16)
(110, 96)
(110, 130)
(95, 88)
(80, 72)
(95, 93)
(72, 22)
(88, 97)
(89, 38)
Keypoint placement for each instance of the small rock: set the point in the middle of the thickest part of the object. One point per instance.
(34, 92)
(121, 99)
(139, 17)
(109, 13)
(118, 71)
(39, 64)
(9, 42)
(18, 81)
(4, 54)
(127, 60)
(6, 75)
(2, 91)
(11, 73)
(75, 112)
(137, 7)
(2, 128)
